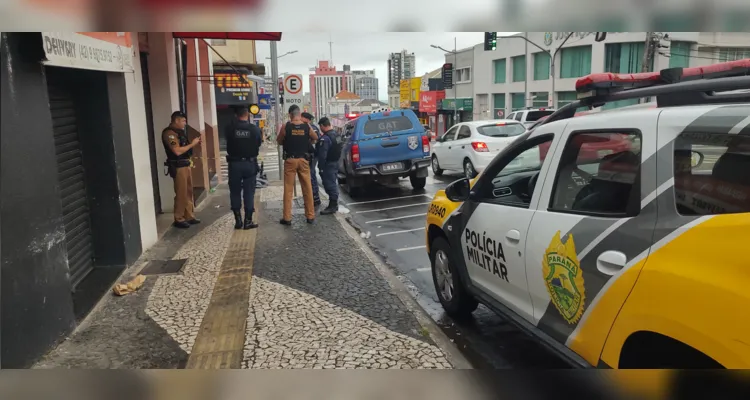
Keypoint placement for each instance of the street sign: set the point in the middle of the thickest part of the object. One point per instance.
(448, 75)
(292, 90)
(500, 113)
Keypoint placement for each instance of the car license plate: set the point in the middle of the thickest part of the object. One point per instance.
(392, 167)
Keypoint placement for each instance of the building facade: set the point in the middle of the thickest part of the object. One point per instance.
(366, 84)
(325, 83)
(460, 97)
(401, 65)
(235, 51)
(342, 104)
(82, 170)
(518, 74)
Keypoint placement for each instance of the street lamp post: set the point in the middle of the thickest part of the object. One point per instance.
(276, 108)
(455, 65)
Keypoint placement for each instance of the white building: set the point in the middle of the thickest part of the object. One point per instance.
(517, 73)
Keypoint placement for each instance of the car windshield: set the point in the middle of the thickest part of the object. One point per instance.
(501, 130)
(533, 116)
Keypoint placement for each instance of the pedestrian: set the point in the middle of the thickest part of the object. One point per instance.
(295, 138)
(179, 152)
(308, 118)
(243, 145)
(329, 152)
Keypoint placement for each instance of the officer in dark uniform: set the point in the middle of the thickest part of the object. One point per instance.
(308, 118)
(329, 152)
(179, 152)
(243, 144)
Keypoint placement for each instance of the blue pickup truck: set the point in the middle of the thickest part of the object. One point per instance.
(384, 147)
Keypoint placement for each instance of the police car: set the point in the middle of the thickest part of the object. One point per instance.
(630, 258)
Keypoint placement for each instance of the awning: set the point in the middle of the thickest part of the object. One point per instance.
(269, 36)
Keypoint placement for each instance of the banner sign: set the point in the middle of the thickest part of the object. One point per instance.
(102, 51)
(264, 101)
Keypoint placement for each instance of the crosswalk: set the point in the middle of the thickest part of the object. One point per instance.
(269, 157)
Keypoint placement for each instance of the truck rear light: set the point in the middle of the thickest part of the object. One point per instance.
(425, 144)
(480, 147)
(355, 153)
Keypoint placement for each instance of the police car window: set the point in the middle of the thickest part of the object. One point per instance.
(533, 116)
(385, 125)
(711, 174)
(598, 174)
(464, 132)
(514, 184)
(519, 116)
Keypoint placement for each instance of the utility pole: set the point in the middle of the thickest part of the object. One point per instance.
(277, 106)
(526, 72)
(649, 52)
(455, 88)
(330, 47)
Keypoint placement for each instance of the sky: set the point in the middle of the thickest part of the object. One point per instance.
(363, 51)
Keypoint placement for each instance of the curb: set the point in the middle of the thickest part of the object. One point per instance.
(454, 356)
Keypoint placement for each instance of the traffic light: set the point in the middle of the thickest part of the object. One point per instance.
(490, 41)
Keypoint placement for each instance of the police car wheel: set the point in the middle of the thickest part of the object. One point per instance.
(453, 296)
(417, 183)
(436, 166)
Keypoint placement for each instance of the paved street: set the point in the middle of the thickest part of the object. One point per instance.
(393, 220)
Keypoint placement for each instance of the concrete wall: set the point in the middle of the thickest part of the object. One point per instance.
(162, 69)
(139, 143)
(196, 118)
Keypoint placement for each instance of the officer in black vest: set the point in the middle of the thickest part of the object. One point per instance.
(329, 153)
(243, 144)
(308, 118)
(295, 137)
(179, 152)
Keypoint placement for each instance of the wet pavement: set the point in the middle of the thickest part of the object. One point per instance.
(392, 220)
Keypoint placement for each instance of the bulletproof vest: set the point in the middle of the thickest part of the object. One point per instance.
(334, 153)
(243, 140)
(182, 138)
(296, 139)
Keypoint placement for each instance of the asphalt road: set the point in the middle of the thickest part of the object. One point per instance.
(392, 220)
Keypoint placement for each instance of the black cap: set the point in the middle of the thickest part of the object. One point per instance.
(324, 122)
(308, 116)
(293, 108)
(178, 114)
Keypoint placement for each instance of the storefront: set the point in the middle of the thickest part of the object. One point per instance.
(428, 107)
(465, 107)
(72, 220)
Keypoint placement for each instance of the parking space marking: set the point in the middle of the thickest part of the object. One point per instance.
(396, 218)
(412, 248)
(392, 198)
(392, 208)
(396, 232)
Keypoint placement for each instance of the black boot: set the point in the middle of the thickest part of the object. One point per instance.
(237, 220)
(333, 206)
(249, 222)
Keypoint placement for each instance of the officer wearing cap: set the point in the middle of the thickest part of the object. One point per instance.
(179, 152)
(308, 118)
(243, 145)
(329, 152)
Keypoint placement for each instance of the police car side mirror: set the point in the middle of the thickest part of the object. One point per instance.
(458, 191)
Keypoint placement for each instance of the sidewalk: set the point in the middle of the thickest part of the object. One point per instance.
(305, 296)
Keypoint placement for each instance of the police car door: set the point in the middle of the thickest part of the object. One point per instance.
(596, 218)
(498, 216)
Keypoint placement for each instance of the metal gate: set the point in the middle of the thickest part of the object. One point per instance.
(70, 173)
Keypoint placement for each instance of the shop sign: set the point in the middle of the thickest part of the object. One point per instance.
(101, 51)
(404, 93)
(230, 89)
(463, 104)
(264, 101)
(428, 101)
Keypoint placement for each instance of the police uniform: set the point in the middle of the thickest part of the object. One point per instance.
(243, 144)
(313, 172)
(178, 167)
(328, 154)
(296, 139)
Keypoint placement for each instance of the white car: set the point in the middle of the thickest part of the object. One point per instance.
(529, 116)
(470, 146)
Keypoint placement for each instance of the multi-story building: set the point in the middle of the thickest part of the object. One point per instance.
(401, 66)
(325, 83)
(518, 74)
(366, 84)
(458, 104)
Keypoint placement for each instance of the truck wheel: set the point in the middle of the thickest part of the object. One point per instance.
(436, 166)
(453, 296)
(417, 183)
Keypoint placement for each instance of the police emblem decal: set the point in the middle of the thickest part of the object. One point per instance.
(412, 141)
(564, 278)
(547, 38)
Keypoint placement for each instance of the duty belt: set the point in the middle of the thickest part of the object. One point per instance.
(233, 159)
(305, 156)
(182, 162)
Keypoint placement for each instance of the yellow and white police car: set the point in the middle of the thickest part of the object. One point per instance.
(622, 255)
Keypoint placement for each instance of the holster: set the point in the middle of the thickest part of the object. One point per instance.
(171, 166)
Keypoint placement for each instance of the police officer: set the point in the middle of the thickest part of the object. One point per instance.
(179, 150)
(329, 152)
(243, 144)
(296, 137)
(308, 118)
